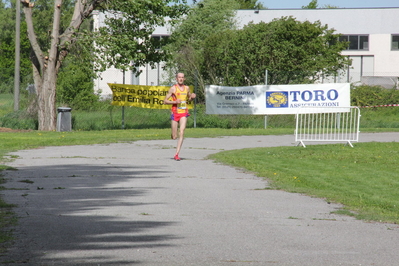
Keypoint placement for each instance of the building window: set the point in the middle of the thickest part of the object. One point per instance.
(356, 42)
(395, 42)
(159, 40)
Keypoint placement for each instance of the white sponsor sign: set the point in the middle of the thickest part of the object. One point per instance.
(275, 99)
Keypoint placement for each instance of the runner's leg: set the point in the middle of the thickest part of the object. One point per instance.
(174, 125)
(183, 122)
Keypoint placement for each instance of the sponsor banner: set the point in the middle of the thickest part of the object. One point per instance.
(141, 96)
(275, 99)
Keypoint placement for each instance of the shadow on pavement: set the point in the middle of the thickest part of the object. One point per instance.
(66, 209)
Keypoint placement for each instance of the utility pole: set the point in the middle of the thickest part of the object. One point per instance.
(123, 107)
(266, 77)
(17, 55)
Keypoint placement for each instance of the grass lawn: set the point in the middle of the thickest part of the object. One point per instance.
(365, 179)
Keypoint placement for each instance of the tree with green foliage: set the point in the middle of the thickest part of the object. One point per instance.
(76, 69)
(76, 74)
(188, 37)
(124, 43)
(7, 48)
(75, 83)
(314, 5)
(244, 4)
(292, 52)
(250, 4)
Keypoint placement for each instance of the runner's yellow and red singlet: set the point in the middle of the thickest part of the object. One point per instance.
(180, 110)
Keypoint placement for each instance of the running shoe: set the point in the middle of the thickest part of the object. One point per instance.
(176, 157)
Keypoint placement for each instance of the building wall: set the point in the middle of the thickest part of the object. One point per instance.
(386, 62)
(348, 20)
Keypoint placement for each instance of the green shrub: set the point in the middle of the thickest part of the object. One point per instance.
(373, 95)
(19, 120)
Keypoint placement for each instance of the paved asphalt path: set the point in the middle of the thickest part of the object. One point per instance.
(131, 204)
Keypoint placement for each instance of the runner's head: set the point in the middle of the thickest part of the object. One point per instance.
(180, 78)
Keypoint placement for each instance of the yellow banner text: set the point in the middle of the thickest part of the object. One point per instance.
(141, 96)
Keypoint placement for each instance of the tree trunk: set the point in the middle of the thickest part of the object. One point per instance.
(46, 102)
(46, 96)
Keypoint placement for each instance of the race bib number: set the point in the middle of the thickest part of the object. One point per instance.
(182, 105)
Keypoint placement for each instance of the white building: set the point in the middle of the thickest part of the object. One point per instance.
(373, 34)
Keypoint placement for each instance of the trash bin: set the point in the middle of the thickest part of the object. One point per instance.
(64, 119)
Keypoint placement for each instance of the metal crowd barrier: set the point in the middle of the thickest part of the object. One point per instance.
(333, 124)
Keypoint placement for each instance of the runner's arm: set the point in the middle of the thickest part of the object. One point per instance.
(191, 96)
(170, 93)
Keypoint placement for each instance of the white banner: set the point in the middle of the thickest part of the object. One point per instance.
(274, 99)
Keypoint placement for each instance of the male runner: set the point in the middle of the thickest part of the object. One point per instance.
(178, 96)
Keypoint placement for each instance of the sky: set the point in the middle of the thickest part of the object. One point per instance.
(277, 4)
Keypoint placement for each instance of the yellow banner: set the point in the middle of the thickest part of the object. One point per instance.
(141, 96)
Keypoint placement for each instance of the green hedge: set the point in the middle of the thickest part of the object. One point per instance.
(107, 116)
